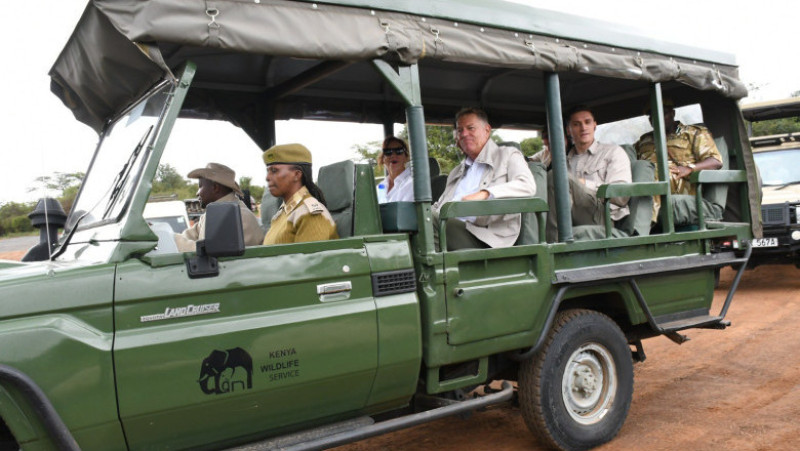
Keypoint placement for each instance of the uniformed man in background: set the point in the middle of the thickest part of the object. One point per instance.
(690, 148)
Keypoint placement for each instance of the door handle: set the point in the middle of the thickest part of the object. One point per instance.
(334, 291)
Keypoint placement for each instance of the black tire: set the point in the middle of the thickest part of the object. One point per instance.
(597, 354)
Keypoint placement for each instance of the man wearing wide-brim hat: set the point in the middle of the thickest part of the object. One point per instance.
(217, 183)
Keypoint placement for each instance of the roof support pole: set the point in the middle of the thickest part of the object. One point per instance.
(660, 138)
(555, 127)
(388, 128)
(405, 81)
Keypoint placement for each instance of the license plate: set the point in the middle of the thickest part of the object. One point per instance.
(764, 242)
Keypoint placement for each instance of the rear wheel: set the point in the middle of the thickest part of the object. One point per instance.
(576, 391)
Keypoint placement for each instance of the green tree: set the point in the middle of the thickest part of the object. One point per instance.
(776, 126)
(65, 184)
(531, 145)
(14, 217)
(168, 179)
(168, 182)
(59, 181)
(370, 152)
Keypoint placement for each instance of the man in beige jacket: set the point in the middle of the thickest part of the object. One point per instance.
(487, 172)
(217, 183)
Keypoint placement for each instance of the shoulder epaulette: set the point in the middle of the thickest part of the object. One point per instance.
(314, 206)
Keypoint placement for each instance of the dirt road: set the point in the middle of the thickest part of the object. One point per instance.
(737, 389)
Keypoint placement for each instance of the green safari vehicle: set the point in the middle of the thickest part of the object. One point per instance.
(115, 343)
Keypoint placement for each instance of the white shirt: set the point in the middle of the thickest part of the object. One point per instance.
(470, 182)
(403, 189)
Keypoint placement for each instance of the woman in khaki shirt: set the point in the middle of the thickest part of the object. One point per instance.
(302, 216)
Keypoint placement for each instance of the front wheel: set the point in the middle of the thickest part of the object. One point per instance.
(576, 391)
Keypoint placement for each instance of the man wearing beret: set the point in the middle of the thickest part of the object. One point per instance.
(217, 183)
(303, 215)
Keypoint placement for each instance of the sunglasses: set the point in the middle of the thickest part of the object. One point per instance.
(394, 150)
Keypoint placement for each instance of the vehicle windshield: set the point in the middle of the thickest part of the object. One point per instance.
(118, 163)
(779, 167)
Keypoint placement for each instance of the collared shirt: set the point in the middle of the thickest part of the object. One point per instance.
(690, 144)
(302, 218)
(602, 164)
(253, 234)
(470, 182)
(403, 189)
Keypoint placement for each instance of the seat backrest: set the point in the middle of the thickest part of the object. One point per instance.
(641, 208)
(630, 151)
(337, 182)
(438, 180)
(433, 167)
(529, 230)
(269, 207)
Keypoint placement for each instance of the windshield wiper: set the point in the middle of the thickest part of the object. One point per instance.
(122, 178)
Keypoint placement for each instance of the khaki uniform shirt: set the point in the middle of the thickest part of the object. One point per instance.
(253, 234)
(303, 218)
(602, 164)
(690, 144)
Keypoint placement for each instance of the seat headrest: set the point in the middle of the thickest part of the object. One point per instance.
(433, 166)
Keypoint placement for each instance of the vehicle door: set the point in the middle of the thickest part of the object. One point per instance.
(253, 349)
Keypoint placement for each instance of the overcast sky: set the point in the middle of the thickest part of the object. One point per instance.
(40, 136)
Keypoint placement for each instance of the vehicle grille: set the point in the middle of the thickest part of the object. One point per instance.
(393, 282)
(775, 215)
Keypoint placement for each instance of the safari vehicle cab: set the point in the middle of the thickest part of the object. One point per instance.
(777, 157)
(364, 334)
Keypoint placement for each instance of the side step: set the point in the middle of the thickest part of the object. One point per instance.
(702, 321)
(699, 319)
(312, 440)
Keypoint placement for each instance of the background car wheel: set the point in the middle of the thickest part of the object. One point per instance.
(576, 391)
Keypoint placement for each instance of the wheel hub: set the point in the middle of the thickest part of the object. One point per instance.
(589, 383)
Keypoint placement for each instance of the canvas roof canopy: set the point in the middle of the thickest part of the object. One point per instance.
(260, 60)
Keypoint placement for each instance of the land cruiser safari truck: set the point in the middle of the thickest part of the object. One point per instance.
(777, 157)
(114, 343)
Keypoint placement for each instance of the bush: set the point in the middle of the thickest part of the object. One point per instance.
(14, 217)
(21, 224)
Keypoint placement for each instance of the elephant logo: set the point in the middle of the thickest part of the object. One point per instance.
(226, 371)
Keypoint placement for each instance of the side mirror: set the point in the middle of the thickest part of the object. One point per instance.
(224, 238)
(224, 235)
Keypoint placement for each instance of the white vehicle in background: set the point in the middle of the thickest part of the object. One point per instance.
(778, 160)
(165, 218)
(170, 212)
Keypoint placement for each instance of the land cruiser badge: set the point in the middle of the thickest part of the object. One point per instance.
(181, 312)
